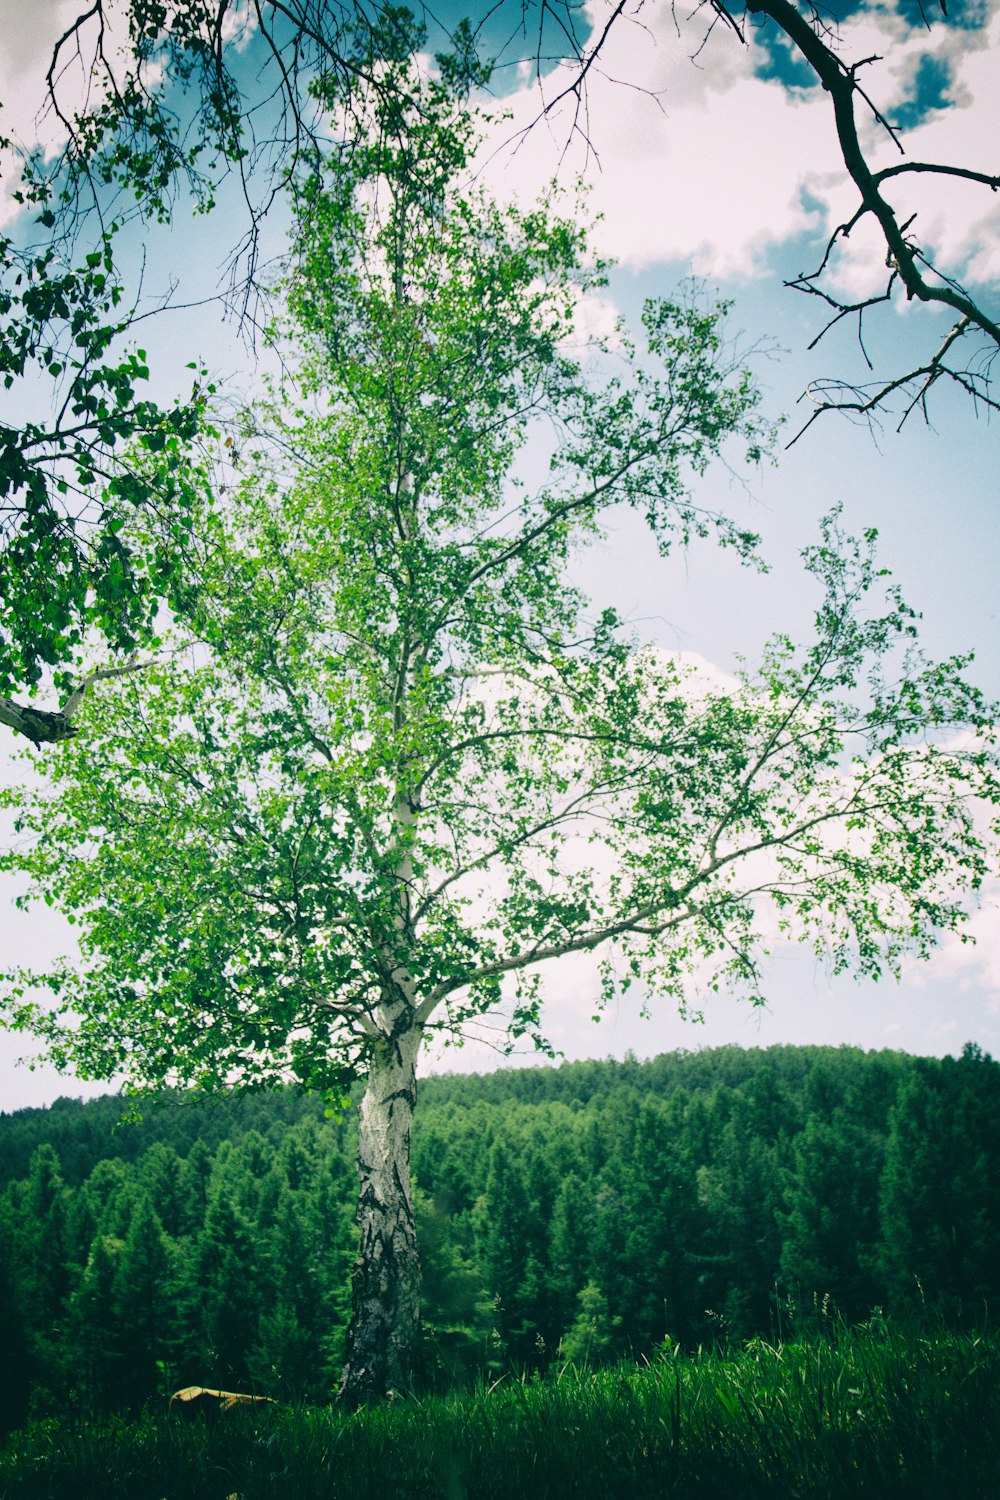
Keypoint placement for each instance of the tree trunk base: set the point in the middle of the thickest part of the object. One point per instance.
(385, 1323)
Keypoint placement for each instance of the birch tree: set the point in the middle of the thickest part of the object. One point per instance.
(395, 766)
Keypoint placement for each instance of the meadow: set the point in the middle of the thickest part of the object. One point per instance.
(876, 1410)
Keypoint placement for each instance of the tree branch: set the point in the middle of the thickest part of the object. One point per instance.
(50, 726)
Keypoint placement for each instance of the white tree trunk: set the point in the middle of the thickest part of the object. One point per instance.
(385, 1322)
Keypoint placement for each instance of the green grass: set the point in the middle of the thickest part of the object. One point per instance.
(864, 1413)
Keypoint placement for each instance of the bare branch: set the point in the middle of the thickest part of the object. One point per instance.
(815, 39)
(871, 402)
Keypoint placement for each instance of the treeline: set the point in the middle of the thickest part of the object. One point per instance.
(585, 1211)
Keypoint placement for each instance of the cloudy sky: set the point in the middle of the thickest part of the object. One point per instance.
(708, 158)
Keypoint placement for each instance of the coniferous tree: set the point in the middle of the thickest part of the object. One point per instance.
(553, 1196)
(45, 1279)
(15, 1365)
(592, 1336)
(506, 1231)
(572, 1232)
(940, 1202)
(222, 1297)
(457, 1310)
(740, 1193)
(141, 1303)
(94, 1323)
(829, 1223)
(160, 1171)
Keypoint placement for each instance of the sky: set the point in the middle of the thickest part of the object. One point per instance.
(708, 159)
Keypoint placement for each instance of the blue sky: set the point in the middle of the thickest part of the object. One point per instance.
(725, 168)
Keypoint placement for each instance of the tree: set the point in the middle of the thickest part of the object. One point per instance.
(940, 1207)
(118, 1311)
(67, 487)
(224, 1291)
(39, 1245)
(137, 137)
(508, 1230)
(16, 1369)
(830, 1221)
(592, 1334)
(572, 1234)
(96, 1342)
(82, 451)
(396, 769)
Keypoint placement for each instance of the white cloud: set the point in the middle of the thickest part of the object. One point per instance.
(971, 964)
(595, 317)
(957, 221)
(239, 25)
(702, 160)
(30, 33)
(676, 173)
(963, 221)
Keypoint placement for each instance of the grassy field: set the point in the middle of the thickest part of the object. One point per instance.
(871, 1412)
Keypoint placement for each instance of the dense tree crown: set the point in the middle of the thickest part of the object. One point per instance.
(582, 1212)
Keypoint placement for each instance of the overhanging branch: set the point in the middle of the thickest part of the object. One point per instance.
(50, 726)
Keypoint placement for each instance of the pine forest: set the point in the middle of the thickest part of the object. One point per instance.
(573, 1214)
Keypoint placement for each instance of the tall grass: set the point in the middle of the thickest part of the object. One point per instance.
(871, 1412)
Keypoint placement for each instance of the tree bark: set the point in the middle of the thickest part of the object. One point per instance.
(47, 726)
(385, 1321)
(39, 725)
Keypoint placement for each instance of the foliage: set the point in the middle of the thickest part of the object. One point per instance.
(591, 1335)
(379, 640)
(391, 765)
(204, 88)
(940, 1188)
(82, 452)
(194, 92)
(871, 1413)
(73, 479)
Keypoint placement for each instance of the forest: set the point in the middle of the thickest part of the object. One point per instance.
(570, 1214)
(331, 752)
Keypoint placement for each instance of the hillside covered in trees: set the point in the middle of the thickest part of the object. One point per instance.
(584, 1211)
